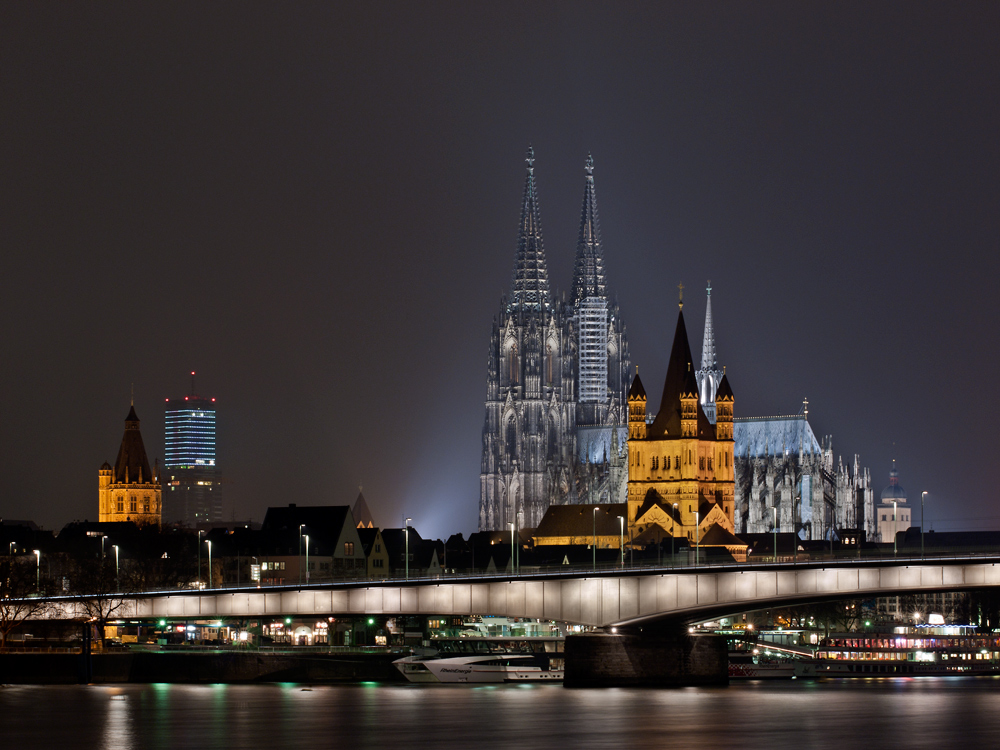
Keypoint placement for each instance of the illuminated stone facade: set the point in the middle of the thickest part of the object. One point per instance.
(130, 491)
(680, 464)
(543, 442)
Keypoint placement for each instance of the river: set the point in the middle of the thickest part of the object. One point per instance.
(926, 712)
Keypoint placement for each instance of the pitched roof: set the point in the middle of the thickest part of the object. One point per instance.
(756, 437)
(636, 391)
(323, 523)
(132, 466)
(680, 379)
(725, 391)
(362, 516)
(579, 520)
(717, 536)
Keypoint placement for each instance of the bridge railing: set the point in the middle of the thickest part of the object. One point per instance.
(686, 562)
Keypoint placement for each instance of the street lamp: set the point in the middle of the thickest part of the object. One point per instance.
(922, 524)
(118, 579)
(673, 530)
(511, 524)
(406, 531)
(621, 538)
(595, 537)
(301, 526)
(895, 529)
(697, 540)
(12, 549)
(775, 530)
(306, 537)
(200, 532)
(38, 571)
(209, 543)
(103, 537)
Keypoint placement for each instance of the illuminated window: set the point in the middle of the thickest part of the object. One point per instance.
(145, 504)
(132, 503)
(349, 549)
(121, 506)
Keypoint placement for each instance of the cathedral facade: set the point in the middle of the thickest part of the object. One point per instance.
(557, 376)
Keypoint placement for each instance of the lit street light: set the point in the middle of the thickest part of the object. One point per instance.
(895, 529)
(673, 533)
(511, 524)
(697, 539)
(775, 528)
(595, 538)
(301, 526)
(118, 580)
(621, 538)
(38, 571)
(209, 543)
(306, 537)
(406, 532)
(922, 524)
(103, 537)
(200, 532)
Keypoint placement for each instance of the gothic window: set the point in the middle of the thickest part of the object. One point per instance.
(511, 437)
(145, 504)
(512, 362)
(121, 506)
(132, 503)
(348, 549)
(710, 464)
(548, 364)
(677, 462)
(655, 460)
(701, 463)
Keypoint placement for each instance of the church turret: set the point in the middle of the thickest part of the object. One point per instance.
(637, 409)
(709, 376)
(724, 410)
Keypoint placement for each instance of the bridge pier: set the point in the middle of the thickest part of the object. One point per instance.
(652, 657)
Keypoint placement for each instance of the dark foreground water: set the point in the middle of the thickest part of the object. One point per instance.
(847, 714)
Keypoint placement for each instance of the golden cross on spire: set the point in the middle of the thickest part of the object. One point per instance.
(680, 296)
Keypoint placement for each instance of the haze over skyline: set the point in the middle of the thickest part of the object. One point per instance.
(315, 207)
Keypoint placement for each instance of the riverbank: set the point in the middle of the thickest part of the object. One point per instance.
(196, 668)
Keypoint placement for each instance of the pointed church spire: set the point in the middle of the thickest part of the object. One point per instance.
(708, 361)
(588, 272)
(709, 376)
(530, 286)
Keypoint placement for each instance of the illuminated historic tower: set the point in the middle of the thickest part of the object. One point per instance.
(680, 466)
(129, 491)
(554, 429)
(192, 480)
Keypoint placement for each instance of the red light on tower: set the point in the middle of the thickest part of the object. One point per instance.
(213, 399)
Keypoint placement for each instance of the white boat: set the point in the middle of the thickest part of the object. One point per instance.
(496, 668)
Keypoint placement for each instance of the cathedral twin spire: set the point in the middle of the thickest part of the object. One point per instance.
(530, 285)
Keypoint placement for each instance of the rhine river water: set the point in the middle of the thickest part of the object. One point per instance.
(878, 713)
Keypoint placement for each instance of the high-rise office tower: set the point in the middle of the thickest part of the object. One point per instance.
(192, 491)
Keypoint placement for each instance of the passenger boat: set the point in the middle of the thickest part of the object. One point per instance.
(921, 650)
(486, 659)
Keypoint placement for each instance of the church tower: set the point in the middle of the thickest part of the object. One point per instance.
(681, 465)
(528, 438)
(130, 491)
(709, 376)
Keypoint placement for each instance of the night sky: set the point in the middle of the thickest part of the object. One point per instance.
(315, 206)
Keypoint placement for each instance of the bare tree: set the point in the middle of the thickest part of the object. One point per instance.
(18, 595)
(103, 588)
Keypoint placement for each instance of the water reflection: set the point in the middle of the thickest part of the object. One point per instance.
(889, 713)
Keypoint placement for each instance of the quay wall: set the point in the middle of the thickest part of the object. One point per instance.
(198, 668)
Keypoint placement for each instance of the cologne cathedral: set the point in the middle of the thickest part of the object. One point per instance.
(557, 382)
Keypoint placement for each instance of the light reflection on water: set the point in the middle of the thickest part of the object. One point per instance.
(889, 713)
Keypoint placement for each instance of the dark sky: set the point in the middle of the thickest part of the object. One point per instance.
(315, 206)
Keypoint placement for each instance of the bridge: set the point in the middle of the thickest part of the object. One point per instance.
(619, 598)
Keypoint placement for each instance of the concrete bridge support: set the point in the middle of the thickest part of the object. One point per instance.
(662, 657)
